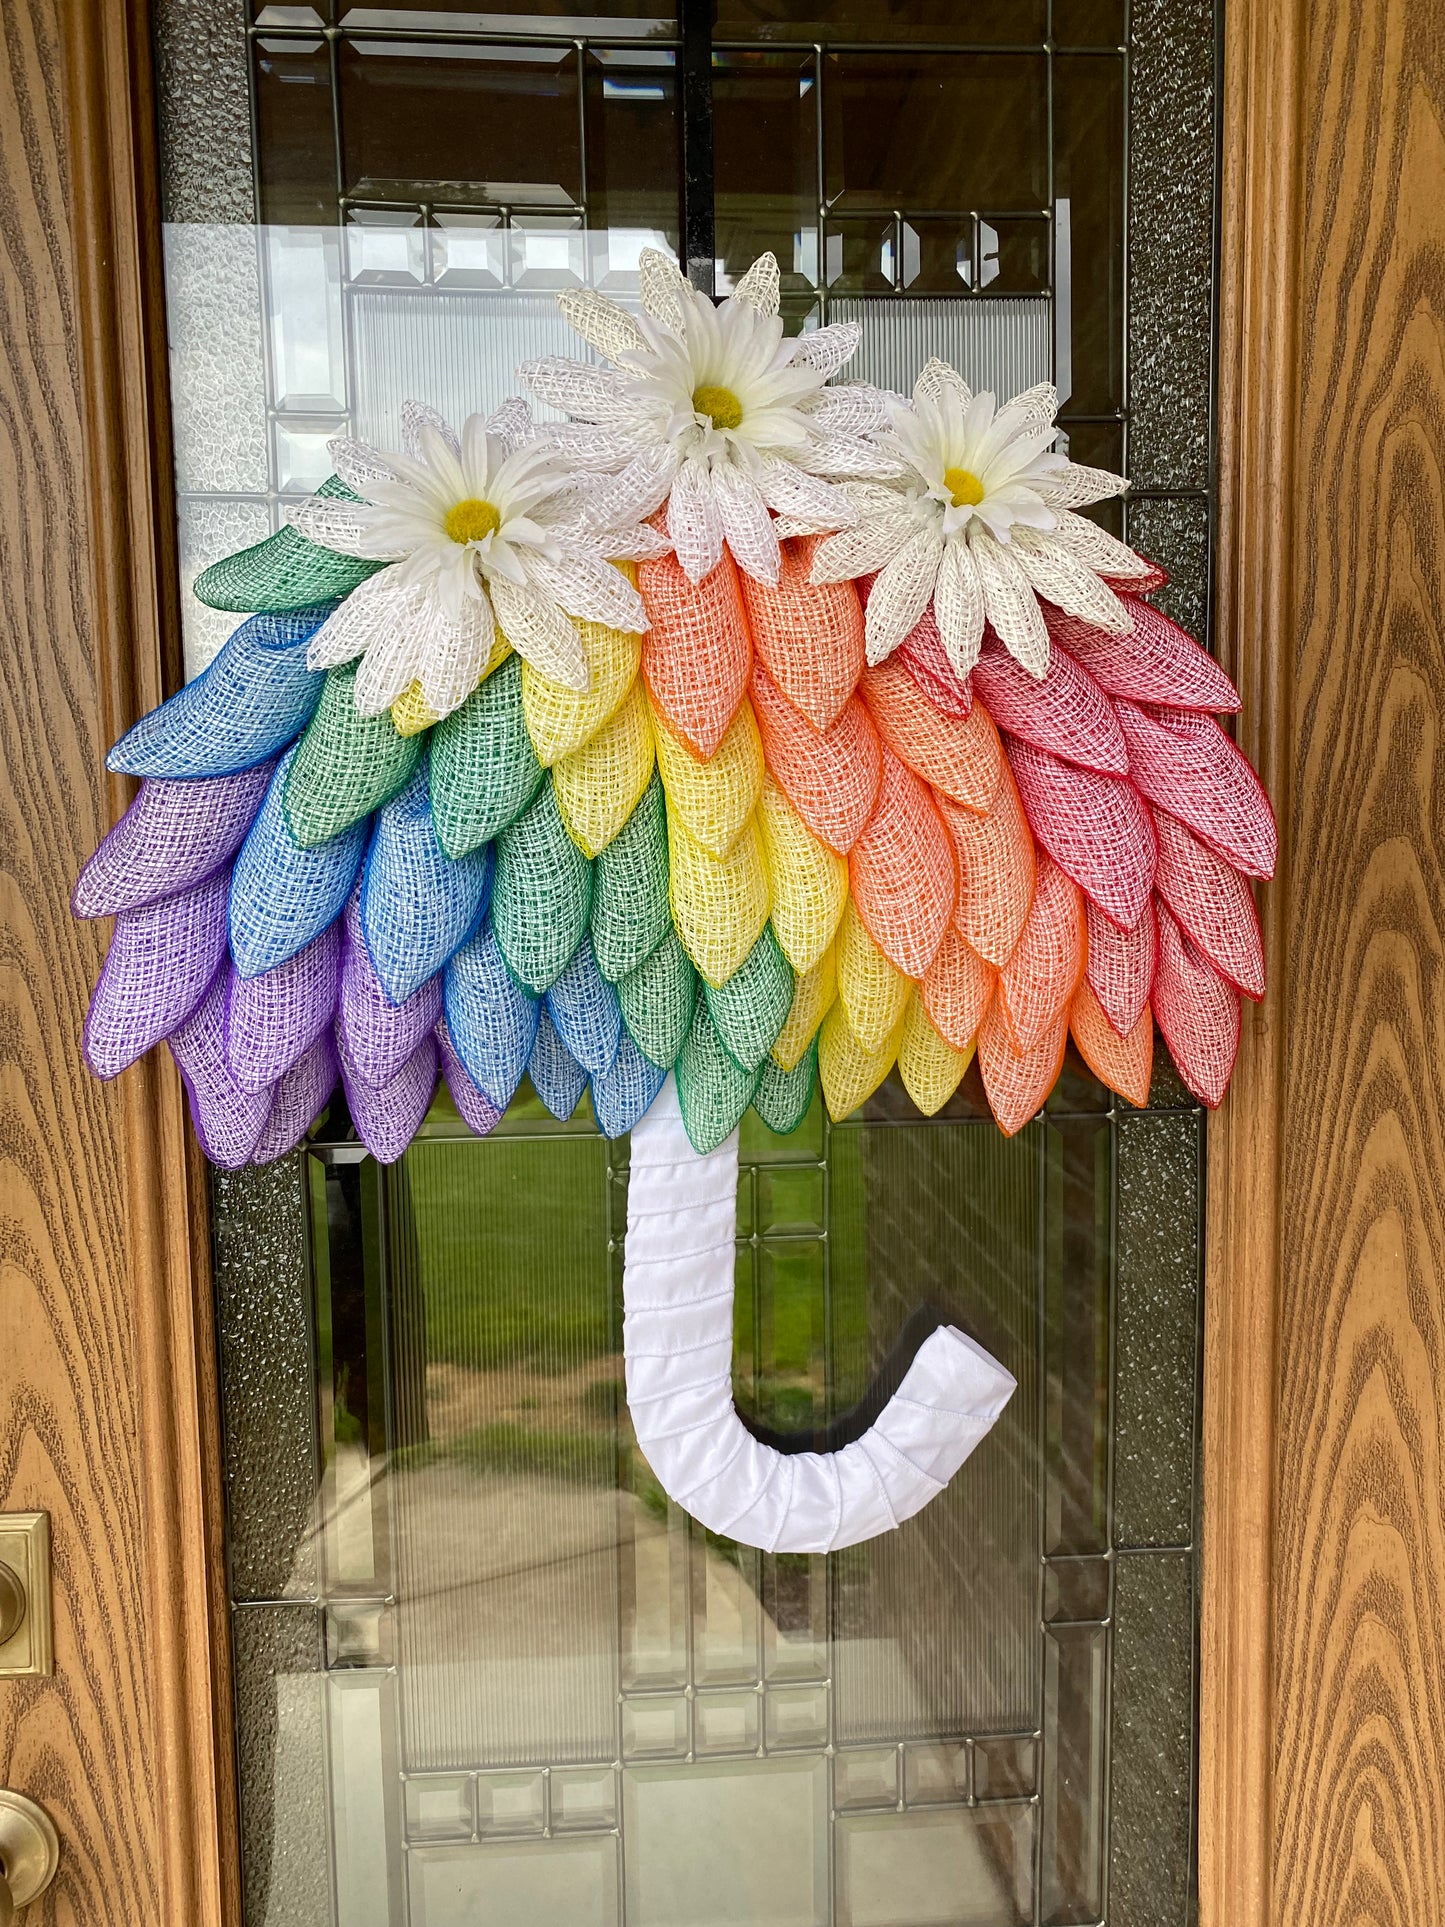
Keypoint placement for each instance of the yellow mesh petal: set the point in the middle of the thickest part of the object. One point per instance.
(931, 1069)
(714, 799)
(560, 720)
(410, 712)
(871, 993)
(600, 785)
(808, 881)
(814, 994)
(719, 904)
(850, 1073)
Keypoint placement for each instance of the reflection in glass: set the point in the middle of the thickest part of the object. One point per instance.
(765, 145)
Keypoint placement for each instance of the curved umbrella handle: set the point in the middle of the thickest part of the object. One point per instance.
(678, 1340)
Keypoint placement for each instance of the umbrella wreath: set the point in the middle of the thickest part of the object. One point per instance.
(744, 731)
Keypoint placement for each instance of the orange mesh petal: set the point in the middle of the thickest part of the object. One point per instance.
(814, 994)
(849, 1073)
(719, 904)
(1124, 1064)
(1197, 1011)
(956, 991)
(902, 871)
(697, 654)
(808, 635)
(830, 776)
(873, 995)
(713, 798)
(1212, 903)
(1064, 711)
(1016, 1085)
(1095, 827)
(1040, 978)
(959, 755)
(995, 871)
(808, 882)
(1120, 965)
(931, 1068)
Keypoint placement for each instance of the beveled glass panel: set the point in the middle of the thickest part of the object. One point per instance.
(635, 18)
(936, 132)
(633, 146)
(1088, 23)
(956, 1867)
(1077, 1207)
(1073, 1816)
(765, 166)
(929, 22)
(1088, 107)
(295, 130)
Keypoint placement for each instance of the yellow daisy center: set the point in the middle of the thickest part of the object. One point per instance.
(472, 520)
(720, 405)
(964, 488)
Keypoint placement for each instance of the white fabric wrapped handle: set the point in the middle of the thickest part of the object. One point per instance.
(678, 1340)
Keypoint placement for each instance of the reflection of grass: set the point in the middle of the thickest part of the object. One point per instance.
(576, 1458)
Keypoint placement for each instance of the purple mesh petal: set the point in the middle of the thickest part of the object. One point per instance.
(301, 1096)
(228, 1120)
(474, 1106)
(378, 1036)
(173, 835)
(386, 1120)
(162, 960)
(272, 1019)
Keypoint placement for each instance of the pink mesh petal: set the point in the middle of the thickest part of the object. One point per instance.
(162, 960)
(387, 1117)
(177, 832)
(1120, 966)
(301, 1096)
(228, 1120)
(1157, 663)
(1065, 712)
(808, 635)
(1197, 1011)
(829, 776)
(476, 1109)
(1184, 762)
(1212, 903)
(902, 871)
(377, 1035)
(1095, 827)
(271, 1020)
(1040, 978)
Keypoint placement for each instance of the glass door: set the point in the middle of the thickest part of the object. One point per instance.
(484, 1670)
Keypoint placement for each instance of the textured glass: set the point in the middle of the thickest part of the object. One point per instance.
(765, 162)
(936, 133)
(1175, 531)
(281, 1761)
(1151, 1772)
(208, 529)
(1171, 241)
(1076, 1690)
(1005, 345)
(200, 56)
(218, 376)
(632, 17)
(1156, 1345)
(263, 1332)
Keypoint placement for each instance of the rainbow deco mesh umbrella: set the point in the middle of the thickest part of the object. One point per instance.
(744, 731)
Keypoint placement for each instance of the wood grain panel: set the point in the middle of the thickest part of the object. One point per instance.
(1359, 1535)
(107, 1398)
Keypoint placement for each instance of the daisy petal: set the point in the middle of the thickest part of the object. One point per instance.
(638, 491)
(861, 550)
(590, 589)
(539, 632)
(578, 388)
(793, 491)
(936, 380)
(958, 607)
(902, 592)
(417, 415)
(761, 286)
(1010, 603)
(693, 521)
(512, 423)
(826, 349)
(851, 408)
(600, 322)
(665, 294)
(368, 613)
(451, 656)
(1074, 485)
(1069, 583)
(347, 527)
(1096, 548)
(389, 666)
(746, 523)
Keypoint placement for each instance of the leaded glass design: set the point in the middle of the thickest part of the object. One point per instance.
(483, 1669)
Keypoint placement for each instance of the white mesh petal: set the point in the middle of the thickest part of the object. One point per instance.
(358, 464)
(419, 415)
(664, 292)
(793, 491)
(958, 607)
(1063, 579)
(347, 527)
(826, 349)
(1010, 602)
(637, 491)
(851, 408)
(390, 665)
(1075, 485)
(578, 388)
(936, 380)
(374, 607)
(693, 521)
(1094, 546)
(538, 631)
(590, 589)
(600, 322)
(761, 287)
(861, 550)
(746, 523)
(450, 655)
(902, 592)
(512, 424)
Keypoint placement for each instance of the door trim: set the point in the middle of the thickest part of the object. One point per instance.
(120, 326)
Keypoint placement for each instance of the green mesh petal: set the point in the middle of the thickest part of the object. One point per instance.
(484, 771)
(541, 896)
(286, 571)
(657, 1000)
(713, 1090)
(346, 765)
(630, 911)
(751, 1008)
(783, 1098)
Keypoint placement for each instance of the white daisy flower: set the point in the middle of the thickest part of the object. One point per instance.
(714, 412)
(971, 510)
(489, 528)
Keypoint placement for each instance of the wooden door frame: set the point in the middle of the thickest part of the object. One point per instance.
(110, 116)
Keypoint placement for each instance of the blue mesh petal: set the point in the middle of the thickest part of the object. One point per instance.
(249, 704)
(282, 896)
(417, 906)
(621, 1095)
(492, 1020)
(584, 1007)
(557, 1078)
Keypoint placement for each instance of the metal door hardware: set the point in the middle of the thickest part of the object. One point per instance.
(25, 1609)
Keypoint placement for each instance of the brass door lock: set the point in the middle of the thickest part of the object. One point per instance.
(29, 1853)
(25, 1616)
